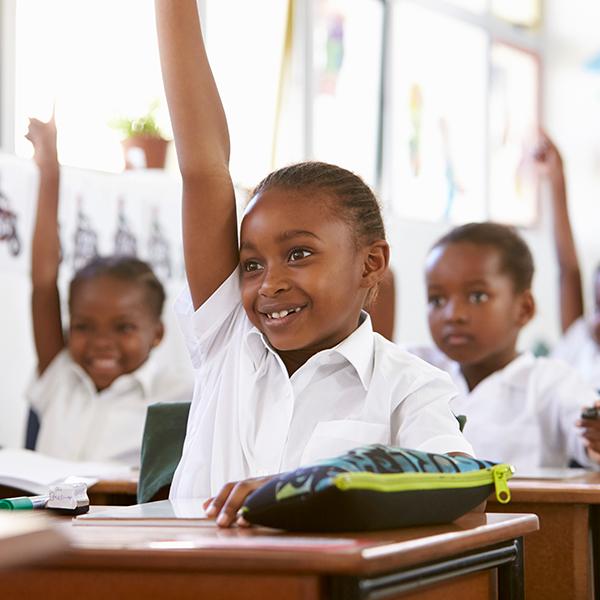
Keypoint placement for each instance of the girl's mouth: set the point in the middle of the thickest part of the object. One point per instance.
(282, 317)
(283, 313)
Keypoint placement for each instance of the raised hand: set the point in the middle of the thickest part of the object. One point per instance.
(43, 137)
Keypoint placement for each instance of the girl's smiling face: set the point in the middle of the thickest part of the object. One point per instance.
(304, 278)
(112, 328)
(475, 314)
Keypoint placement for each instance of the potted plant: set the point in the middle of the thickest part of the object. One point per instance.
(144, 144)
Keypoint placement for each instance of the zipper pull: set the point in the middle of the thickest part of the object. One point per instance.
(501, 474)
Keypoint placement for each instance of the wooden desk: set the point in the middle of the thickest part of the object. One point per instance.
(114, 492)
(562, 559)
(27, 537)
(468, 559)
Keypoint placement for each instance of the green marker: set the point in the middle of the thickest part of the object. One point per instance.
(24, 503)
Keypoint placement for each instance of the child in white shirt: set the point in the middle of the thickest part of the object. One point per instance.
(94, 386)
(288, 367)
(520, 409)
(580, 344)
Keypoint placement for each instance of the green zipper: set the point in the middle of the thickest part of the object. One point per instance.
(401, 482)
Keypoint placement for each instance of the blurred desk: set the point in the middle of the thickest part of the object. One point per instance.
(26, 537)
(114, 492)
(562, 559)
(478, 556)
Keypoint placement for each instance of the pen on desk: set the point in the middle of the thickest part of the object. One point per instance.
(24, 503)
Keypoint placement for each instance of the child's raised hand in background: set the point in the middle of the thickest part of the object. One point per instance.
(43, 137)
(591, 432)
(547, 158)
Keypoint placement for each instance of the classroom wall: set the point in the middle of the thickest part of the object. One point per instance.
(571, 102)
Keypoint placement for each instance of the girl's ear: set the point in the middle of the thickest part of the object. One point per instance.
(159, 334)
(526, 308)
(375, 263)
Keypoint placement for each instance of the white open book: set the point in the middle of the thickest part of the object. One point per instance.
(34, 473)
(167, 513)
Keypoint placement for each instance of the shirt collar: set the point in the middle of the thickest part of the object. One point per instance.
(144, 376)
(357, 349)
(514, 374)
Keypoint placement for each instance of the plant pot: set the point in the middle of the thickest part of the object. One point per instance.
(144, 152)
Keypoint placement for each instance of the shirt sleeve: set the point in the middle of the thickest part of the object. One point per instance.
(208, 324)
(571, 342)
(570, 395)
(42, 389)
(424, 421)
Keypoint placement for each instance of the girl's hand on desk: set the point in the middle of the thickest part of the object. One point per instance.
(225, 505)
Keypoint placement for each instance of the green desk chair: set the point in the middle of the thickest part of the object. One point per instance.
(162, 445)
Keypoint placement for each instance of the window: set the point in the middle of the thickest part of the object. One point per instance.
(458, 81)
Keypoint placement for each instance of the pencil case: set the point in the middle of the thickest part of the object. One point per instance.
(377, 487)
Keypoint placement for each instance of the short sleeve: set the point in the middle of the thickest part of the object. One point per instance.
(43, 388)
(206, 325)
(424, 421)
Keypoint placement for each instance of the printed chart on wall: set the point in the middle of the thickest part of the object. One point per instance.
(438, 95)
(347, 80)
(17, 199)
(513, 126)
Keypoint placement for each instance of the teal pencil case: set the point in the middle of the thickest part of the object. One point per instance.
(377, 487)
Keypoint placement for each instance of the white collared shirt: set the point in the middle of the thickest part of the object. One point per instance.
(79, 423)
(250, 418)
(578, 348)
(525, 413)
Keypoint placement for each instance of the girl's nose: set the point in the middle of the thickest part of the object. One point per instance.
(102, 340)
(456, 311)
(273, 282)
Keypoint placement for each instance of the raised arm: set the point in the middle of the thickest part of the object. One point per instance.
(550, 165)
(45, 251)
(202, 142)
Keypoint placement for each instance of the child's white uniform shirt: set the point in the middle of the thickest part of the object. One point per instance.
(249, 418)
(79, 423)
(525, 413)
(579, 349)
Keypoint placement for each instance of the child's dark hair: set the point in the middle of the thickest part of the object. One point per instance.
(125, 268)
(516, 257)
(356, 203)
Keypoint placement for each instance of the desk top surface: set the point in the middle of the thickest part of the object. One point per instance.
(210, 548)
(584, 489)
(28, 536)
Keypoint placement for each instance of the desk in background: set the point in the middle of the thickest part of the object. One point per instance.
(469, 559)
(563, 557)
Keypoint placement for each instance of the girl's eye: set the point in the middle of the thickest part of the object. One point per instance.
(125, 327)
(436, 301)
(252, 265)
(478, 297)
(299, 254)
(79, 327)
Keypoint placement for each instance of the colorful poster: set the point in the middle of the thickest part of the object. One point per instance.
(514, 92)
(436, 134)
(347, 54)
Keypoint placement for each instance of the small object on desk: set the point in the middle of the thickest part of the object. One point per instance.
(64, 498)
(24, 503)
(590, 412)
(70, 498)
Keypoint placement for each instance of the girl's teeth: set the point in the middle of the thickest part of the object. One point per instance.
(284, 313)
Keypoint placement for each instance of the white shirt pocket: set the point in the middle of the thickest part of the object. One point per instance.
(332, 438)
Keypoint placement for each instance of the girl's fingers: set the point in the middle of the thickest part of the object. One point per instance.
(207, 502)
(229, 512)
(216, 504)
